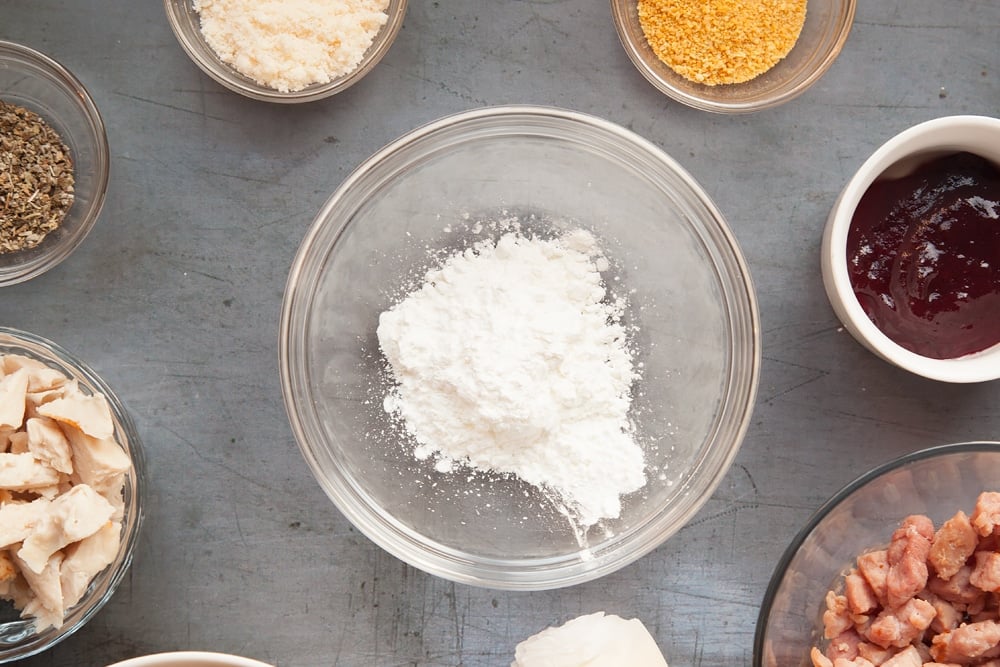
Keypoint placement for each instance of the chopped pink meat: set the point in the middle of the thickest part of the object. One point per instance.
(861, 598)
(986, 571)
(986, 515)
(874, 653)
(946, 616)
(967, 643)
(855, 662)
(844, 646)
(907, 554)
(958, 590)
(908, 657)
(874, 567)
(818, 659)
(901, 626)
(836, 618)
(952, 545)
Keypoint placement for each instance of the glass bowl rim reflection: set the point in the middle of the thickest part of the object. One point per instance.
(790, 552)
(719, 447)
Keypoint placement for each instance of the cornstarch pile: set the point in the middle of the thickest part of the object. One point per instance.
(510, 359)
(290, 44)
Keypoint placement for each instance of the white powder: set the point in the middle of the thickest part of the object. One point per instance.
(290, 44)
(508, 359)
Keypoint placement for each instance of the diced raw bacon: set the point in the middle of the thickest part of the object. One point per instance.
(818, 659)
(861, 598)
(844, 646)
(946, 616)
(836, 618)
(952, 545)
(986, 571)
(856, 662)
(874, 567)
(958, 590)
(986, 515)
(901, 626)
(966, 643)
(908, 657)
(874, 653)
(907, 555)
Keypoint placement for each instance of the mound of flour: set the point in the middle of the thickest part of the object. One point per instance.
(508, 358)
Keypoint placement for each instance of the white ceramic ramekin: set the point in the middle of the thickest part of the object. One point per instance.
(190, 659)
(951, 134)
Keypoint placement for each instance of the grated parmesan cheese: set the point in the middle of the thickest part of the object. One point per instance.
(290, 44)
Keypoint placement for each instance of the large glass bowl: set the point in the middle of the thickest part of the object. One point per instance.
(671, 250)
(38, 83)
(186, 24)
(826, 27)
(18, 638)
(937, 482)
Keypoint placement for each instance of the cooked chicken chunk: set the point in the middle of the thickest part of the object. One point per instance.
(86, 558)
(13, 388)
(18, 519)
(48, 443)
(76, 514)
(21, 472)
(96, 461)
(89, 413)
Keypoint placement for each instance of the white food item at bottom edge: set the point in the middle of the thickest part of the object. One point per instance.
(593, 640)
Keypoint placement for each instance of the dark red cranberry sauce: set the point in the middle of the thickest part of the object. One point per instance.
(923, 253)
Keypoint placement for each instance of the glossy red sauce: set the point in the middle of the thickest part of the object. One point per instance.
(923, 253)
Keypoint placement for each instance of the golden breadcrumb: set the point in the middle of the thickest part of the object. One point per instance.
(721, 41)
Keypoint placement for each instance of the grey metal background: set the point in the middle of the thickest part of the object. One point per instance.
(174, 299)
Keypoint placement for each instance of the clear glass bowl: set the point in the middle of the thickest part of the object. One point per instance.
(827, 25)
(36, 82)
(18, 638)
(937, 482)
(693, 303)
(186, 24)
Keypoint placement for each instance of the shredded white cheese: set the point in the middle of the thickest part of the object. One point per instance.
(290, 44)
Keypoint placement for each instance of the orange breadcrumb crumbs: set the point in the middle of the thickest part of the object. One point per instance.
(721, 41)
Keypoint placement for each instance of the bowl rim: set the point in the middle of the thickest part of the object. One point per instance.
(924, 137)
(239, 83)
(180, 658)
(102, 161)
(619, 11)
(134, 511)
(847, 490)
(537, 573)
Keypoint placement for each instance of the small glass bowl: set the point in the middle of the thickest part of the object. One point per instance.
(18, 638)
(936, 482)
(695, 313)
(827, 25)
(896, 157)
(38, 83)
(186, 24)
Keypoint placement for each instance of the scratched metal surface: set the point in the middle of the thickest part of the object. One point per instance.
(174, 299)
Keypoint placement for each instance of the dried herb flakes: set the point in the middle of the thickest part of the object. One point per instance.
(36, 178)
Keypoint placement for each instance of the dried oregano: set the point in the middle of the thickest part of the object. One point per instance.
(36, 178)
